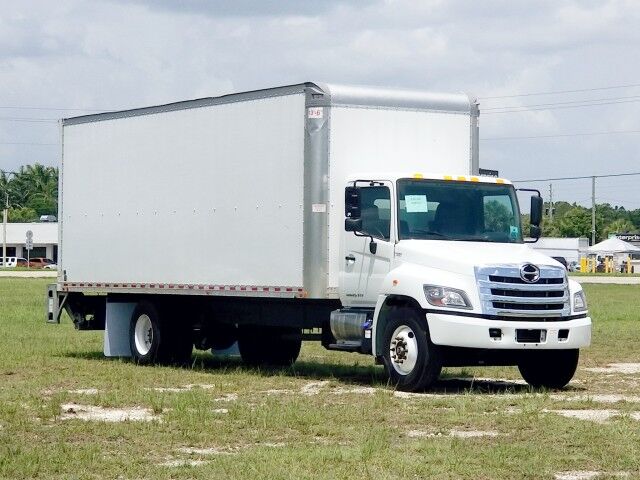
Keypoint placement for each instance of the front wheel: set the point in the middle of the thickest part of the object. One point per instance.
(551, 369)
(411, 360)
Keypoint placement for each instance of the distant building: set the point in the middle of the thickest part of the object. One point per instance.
(569, 248)
(45, 240)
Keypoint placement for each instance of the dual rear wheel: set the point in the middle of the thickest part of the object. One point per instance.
(158, 336)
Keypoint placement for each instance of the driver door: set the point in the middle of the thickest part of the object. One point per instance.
(363, 272)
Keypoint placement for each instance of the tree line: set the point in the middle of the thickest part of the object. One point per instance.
(573, 220)
(32, 191)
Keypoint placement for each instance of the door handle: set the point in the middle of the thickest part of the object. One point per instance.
(350, 258)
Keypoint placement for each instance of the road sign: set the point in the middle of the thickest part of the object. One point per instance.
(28, 244)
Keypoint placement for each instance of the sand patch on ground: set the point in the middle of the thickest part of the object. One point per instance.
(453, 433)
(598, 416)
(208, 451)
(183, 462)
(354, 390)
(220, 410)
(313, 388)
(576, 475)
(184, 388)
(72, 411)
(624, 368)
(227, 397)
(597, 397)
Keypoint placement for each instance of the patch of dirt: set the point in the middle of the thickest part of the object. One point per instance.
(498, 382)
(354, 390)
(576, 475)
(275, 391)
(313, 388)
(220, 410)
(624, 368)
(227, 397)
(85, 391)
(598, 416)
(184, 388)
(209, 451)
(72, 411)
(453, 433)
(182, 462)
(597, 397)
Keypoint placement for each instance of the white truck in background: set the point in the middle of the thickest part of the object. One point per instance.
(349, 215)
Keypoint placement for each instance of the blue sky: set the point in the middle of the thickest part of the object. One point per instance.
(116, 54)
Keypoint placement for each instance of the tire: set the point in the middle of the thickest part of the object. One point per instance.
(155, 338)
(411, 360)
(552, 369)
(269, 346)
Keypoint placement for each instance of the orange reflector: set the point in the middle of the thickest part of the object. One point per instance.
(499, 180)
(395, 282)
(475, 179)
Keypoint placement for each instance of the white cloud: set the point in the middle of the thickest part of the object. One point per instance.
(110, 54)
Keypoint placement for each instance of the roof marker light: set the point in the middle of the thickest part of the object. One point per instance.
(417, 175)
(475, 179)
(448, 177)
(462, 179)
(499, 180)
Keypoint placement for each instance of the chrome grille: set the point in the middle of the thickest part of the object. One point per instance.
(503, 292)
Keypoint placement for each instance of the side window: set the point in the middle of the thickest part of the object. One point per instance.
(376, 211)
(498, 214)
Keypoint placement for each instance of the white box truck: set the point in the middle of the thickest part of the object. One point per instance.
(349, 215)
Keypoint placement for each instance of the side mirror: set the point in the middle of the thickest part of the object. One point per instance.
(353, 224)
(536, 211)
(352, 208)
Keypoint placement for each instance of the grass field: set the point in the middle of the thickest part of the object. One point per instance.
(329, 416)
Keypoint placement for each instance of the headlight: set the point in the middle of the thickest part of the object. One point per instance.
(446, 297)
(579, 302)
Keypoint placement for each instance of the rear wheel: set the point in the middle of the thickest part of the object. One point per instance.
(156, 337)
(275, 346)
(551, 369)
(411, 360)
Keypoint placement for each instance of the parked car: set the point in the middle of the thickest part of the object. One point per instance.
(21, 262)
(40, 262)
(11, 262)
(51, 266)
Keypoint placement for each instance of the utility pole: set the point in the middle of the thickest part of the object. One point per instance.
(593, 211)
(550, 202)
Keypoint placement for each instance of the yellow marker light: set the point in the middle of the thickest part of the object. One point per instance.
(417, 175)
(448, 177)
(475, 179)
(499, 180)
(462, 179)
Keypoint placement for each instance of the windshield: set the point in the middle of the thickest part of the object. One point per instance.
(451, 210)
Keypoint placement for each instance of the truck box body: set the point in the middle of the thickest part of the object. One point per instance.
(241, 194)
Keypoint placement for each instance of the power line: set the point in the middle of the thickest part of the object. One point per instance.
(30, 143)
(582, 134)
(577, 178)
(562, 91)
(18, 107)
(558, 107)
(27, 119)
(606, 99)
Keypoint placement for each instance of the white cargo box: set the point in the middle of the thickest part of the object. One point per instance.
(241, 194)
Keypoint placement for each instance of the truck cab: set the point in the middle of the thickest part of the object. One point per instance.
(440, 265)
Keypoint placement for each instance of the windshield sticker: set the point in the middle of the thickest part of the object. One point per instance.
(513, 231)
(416, 203)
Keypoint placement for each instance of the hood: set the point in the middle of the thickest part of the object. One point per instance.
(461, 257)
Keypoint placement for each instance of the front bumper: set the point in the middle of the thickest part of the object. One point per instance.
(473, 332)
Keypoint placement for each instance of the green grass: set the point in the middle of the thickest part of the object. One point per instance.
(602, 274)
(336, 433)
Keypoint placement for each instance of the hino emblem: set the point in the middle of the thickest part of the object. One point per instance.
(529, 273)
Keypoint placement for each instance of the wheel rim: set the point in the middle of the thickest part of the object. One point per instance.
(143, 334)
(403, 350)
